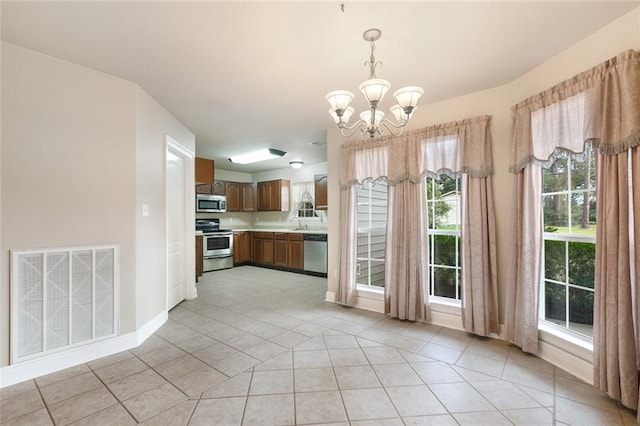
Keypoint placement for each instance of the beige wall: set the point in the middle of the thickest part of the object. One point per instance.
(153, 122)
(68, 165)
(620, 35)
(81, 152)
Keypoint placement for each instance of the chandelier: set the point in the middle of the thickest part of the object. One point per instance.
(373, 89)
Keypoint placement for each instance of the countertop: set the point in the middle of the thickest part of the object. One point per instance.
(287, 230)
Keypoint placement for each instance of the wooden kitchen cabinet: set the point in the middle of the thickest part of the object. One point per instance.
(234, 200)
(241, 196)
(199, 256)
(204, 170)
(241, 248)
(320, 189)
(203, 188)
(274, 195)
(280, 250)
(295, 249)
(262, 247)
(219, 187)
(248, 197)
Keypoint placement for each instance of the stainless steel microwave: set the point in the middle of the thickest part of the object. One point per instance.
(206, 203)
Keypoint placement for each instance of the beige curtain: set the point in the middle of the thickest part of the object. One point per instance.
(458, 148)
(347, 294)
(616, 361)
(406, 272)
(600, 106)
(523, 279)
(480, 297)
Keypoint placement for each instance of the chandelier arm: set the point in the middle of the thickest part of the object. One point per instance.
(357, 126)
(391, 129)
(399, 125)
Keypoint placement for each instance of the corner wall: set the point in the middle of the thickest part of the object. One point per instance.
(68, 166)
(153, 123)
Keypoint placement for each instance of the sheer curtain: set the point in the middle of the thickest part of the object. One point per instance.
(600, 106)
(457, 148)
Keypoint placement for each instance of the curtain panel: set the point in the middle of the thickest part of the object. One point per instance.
(601, 107)
(461, 148)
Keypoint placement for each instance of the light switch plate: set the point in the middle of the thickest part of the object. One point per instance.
(145, 210)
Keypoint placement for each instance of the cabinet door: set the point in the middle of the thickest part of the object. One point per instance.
(237, 248)
(320, 189)
(203, 188)
(199, 257)
(263, 196)
(296, 251)
(267, 252)
(249, 197)
(204, 170)
(256, 250)
(233, 197)
(280, 255)
(245, 242)
(219, 187)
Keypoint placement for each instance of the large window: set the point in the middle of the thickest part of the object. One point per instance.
(372, 225)
(569, 220)
(443, 224)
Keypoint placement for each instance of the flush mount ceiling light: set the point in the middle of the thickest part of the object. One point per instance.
(254, 157)
(373, 89)
(296, 164)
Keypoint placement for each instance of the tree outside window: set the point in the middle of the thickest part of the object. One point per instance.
(569, 220)
(443, 227)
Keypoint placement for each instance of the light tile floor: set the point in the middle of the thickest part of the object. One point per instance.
(261, 347)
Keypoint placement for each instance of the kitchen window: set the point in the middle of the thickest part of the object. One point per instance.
(303, 197)
(372, 227)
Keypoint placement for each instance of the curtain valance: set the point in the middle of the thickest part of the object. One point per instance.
(452, 148)
(599, 106)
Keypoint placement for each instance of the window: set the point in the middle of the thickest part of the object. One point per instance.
(303, 199)
(372, 225)
(443, 227)
(568, 262)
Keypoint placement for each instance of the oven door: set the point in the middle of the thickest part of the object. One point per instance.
(218, 245)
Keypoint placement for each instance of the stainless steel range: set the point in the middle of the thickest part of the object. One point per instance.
(217, 245)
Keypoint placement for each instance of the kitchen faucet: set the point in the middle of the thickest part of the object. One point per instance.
(299, 224)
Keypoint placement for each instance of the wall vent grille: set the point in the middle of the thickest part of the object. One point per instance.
(62, 298)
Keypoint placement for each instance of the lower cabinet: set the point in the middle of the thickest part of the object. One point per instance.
(295, 251)
(262, 248)
(199, 257)
(280, 252)
(241, 248)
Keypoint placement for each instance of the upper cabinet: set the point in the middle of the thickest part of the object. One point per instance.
(248, 199)
(274, 195)
(219, 187)
(320, 189)
(204, 170)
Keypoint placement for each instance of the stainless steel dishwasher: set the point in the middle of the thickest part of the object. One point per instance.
(315, 253)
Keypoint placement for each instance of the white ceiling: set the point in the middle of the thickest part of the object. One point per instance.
(250, 75)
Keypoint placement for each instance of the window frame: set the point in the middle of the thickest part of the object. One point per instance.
(368, 230)
(433, 232)
(567, 238)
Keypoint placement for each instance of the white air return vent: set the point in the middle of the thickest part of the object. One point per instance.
(62, 298)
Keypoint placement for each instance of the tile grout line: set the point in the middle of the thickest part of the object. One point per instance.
(46, 406)
(111, 392)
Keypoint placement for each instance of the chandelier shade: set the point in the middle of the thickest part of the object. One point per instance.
(374, 89)
(339, 99)
(372, 122)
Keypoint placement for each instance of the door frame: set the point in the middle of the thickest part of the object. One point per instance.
(176, 148)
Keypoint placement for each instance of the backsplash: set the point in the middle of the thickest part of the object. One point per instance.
(236, 220)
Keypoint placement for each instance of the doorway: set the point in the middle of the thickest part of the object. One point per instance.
(180, 244)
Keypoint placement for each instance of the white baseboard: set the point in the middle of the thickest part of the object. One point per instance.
(16, 373)
(567, 361)
(446, 320)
